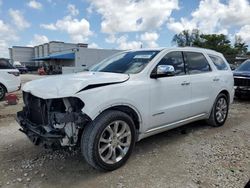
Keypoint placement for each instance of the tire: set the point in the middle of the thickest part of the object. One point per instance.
(97, 136)
(2, 92)
(219, 112)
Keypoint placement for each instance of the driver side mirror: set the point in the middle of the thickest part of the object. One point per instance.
(163, 71)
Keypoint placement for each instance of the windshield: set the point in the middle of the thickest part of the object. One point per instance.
(244, 66)
(126, 62)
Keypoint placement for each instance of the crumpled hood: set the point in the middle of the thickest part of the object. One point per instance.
(69, 84)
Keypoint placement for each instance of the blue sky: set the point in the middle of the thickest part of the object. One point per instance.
(120, 24)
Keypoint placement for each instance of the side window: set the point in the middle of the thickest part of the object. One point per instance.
(4, 64)
(196, 63)
(176, 60)
(218, 62)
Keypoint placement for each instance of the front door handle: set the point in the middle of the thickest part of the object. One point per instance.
(185, 83)
(216, 79)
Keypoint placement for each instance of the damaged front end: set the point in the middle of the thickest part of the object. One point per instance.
(52, 122)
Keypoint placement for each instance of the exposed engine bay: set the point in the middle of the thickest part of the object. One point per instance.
(52, 122)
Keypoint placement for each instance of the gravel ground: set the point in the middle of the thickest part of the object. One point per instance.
(195, 155)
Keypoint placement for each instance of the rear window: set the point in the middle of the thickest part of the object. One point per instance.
(219, 62)
(4, 64)
(196, 63)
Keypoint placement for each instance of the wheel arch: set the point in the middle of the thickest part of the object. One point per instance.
(225, 92)
(4, 87)
(129, 110)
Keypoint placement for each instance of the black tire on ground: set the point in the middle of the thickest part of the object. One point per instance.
(90, 145)
(2, 92)
(213, 120)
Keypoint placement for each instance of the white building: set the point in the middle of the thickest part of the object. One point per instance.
(59, 55)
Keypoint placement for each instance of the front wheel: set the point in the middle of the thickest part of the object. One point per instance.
(219, 112)
(108, 141)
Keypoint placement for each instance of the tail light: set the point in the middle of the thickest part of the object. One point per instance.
(14, 73)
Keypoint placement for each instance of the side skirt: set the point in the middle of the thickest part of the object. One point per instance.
(173, 125)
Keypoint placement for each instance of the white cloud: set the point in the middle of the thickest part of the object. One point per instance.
(183, 24)
(7, 32)
(4, 48)
(124, 44)
(52, 2)
(133, 15)
(93, 45)
(150, 39)
(78, 30)
(35, 4)
(244, 32)
(18, 19)
(7, 35)
(111, 38)
(38, 39)
(72, 10)
(48, 26)
(213, 16)
(147, 39)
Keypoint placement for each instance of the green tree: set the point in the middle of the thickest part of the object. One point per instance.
(217, 42)
(240, 46)
(186, 38)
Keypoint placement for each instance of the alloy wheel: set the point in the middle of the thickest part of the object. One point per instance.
(221, 110)
(114, 142)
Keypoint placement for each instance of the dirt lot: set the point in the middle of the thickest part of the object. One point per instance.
(195, 155)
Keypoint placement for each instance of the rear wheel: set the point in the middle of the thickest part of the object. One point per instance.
(2, 92)
(219, 112)
(108, 141)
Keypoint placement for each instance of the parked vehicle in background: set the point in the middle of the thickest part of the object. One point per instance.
(125, 98)
(9, 78)
(22, 69)
(242, 80)
(32, 68)
(41, 71)
(233, 67)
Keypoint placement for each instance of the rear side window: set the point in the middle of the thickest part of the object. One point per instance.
(196, 63)
(4, 64)
(219, 62)
(176, 60)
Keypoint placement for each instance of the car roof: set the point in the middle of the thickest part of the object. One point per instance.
(195, 49)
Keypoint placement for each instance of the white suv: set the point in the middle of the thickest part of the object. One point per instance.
(9, 78)
(126, 98)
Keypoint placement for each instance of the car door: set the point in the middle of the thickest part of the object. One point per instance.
(203, 82)
(9, 76)
(170, 96)
(223, 76)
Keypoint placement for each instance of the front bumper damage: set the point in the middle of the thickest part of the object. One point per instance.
(38, 134)
(52, 123)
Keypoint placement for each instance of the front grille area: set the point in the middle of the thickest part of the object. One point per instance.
(241, 81)
(36, 109)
